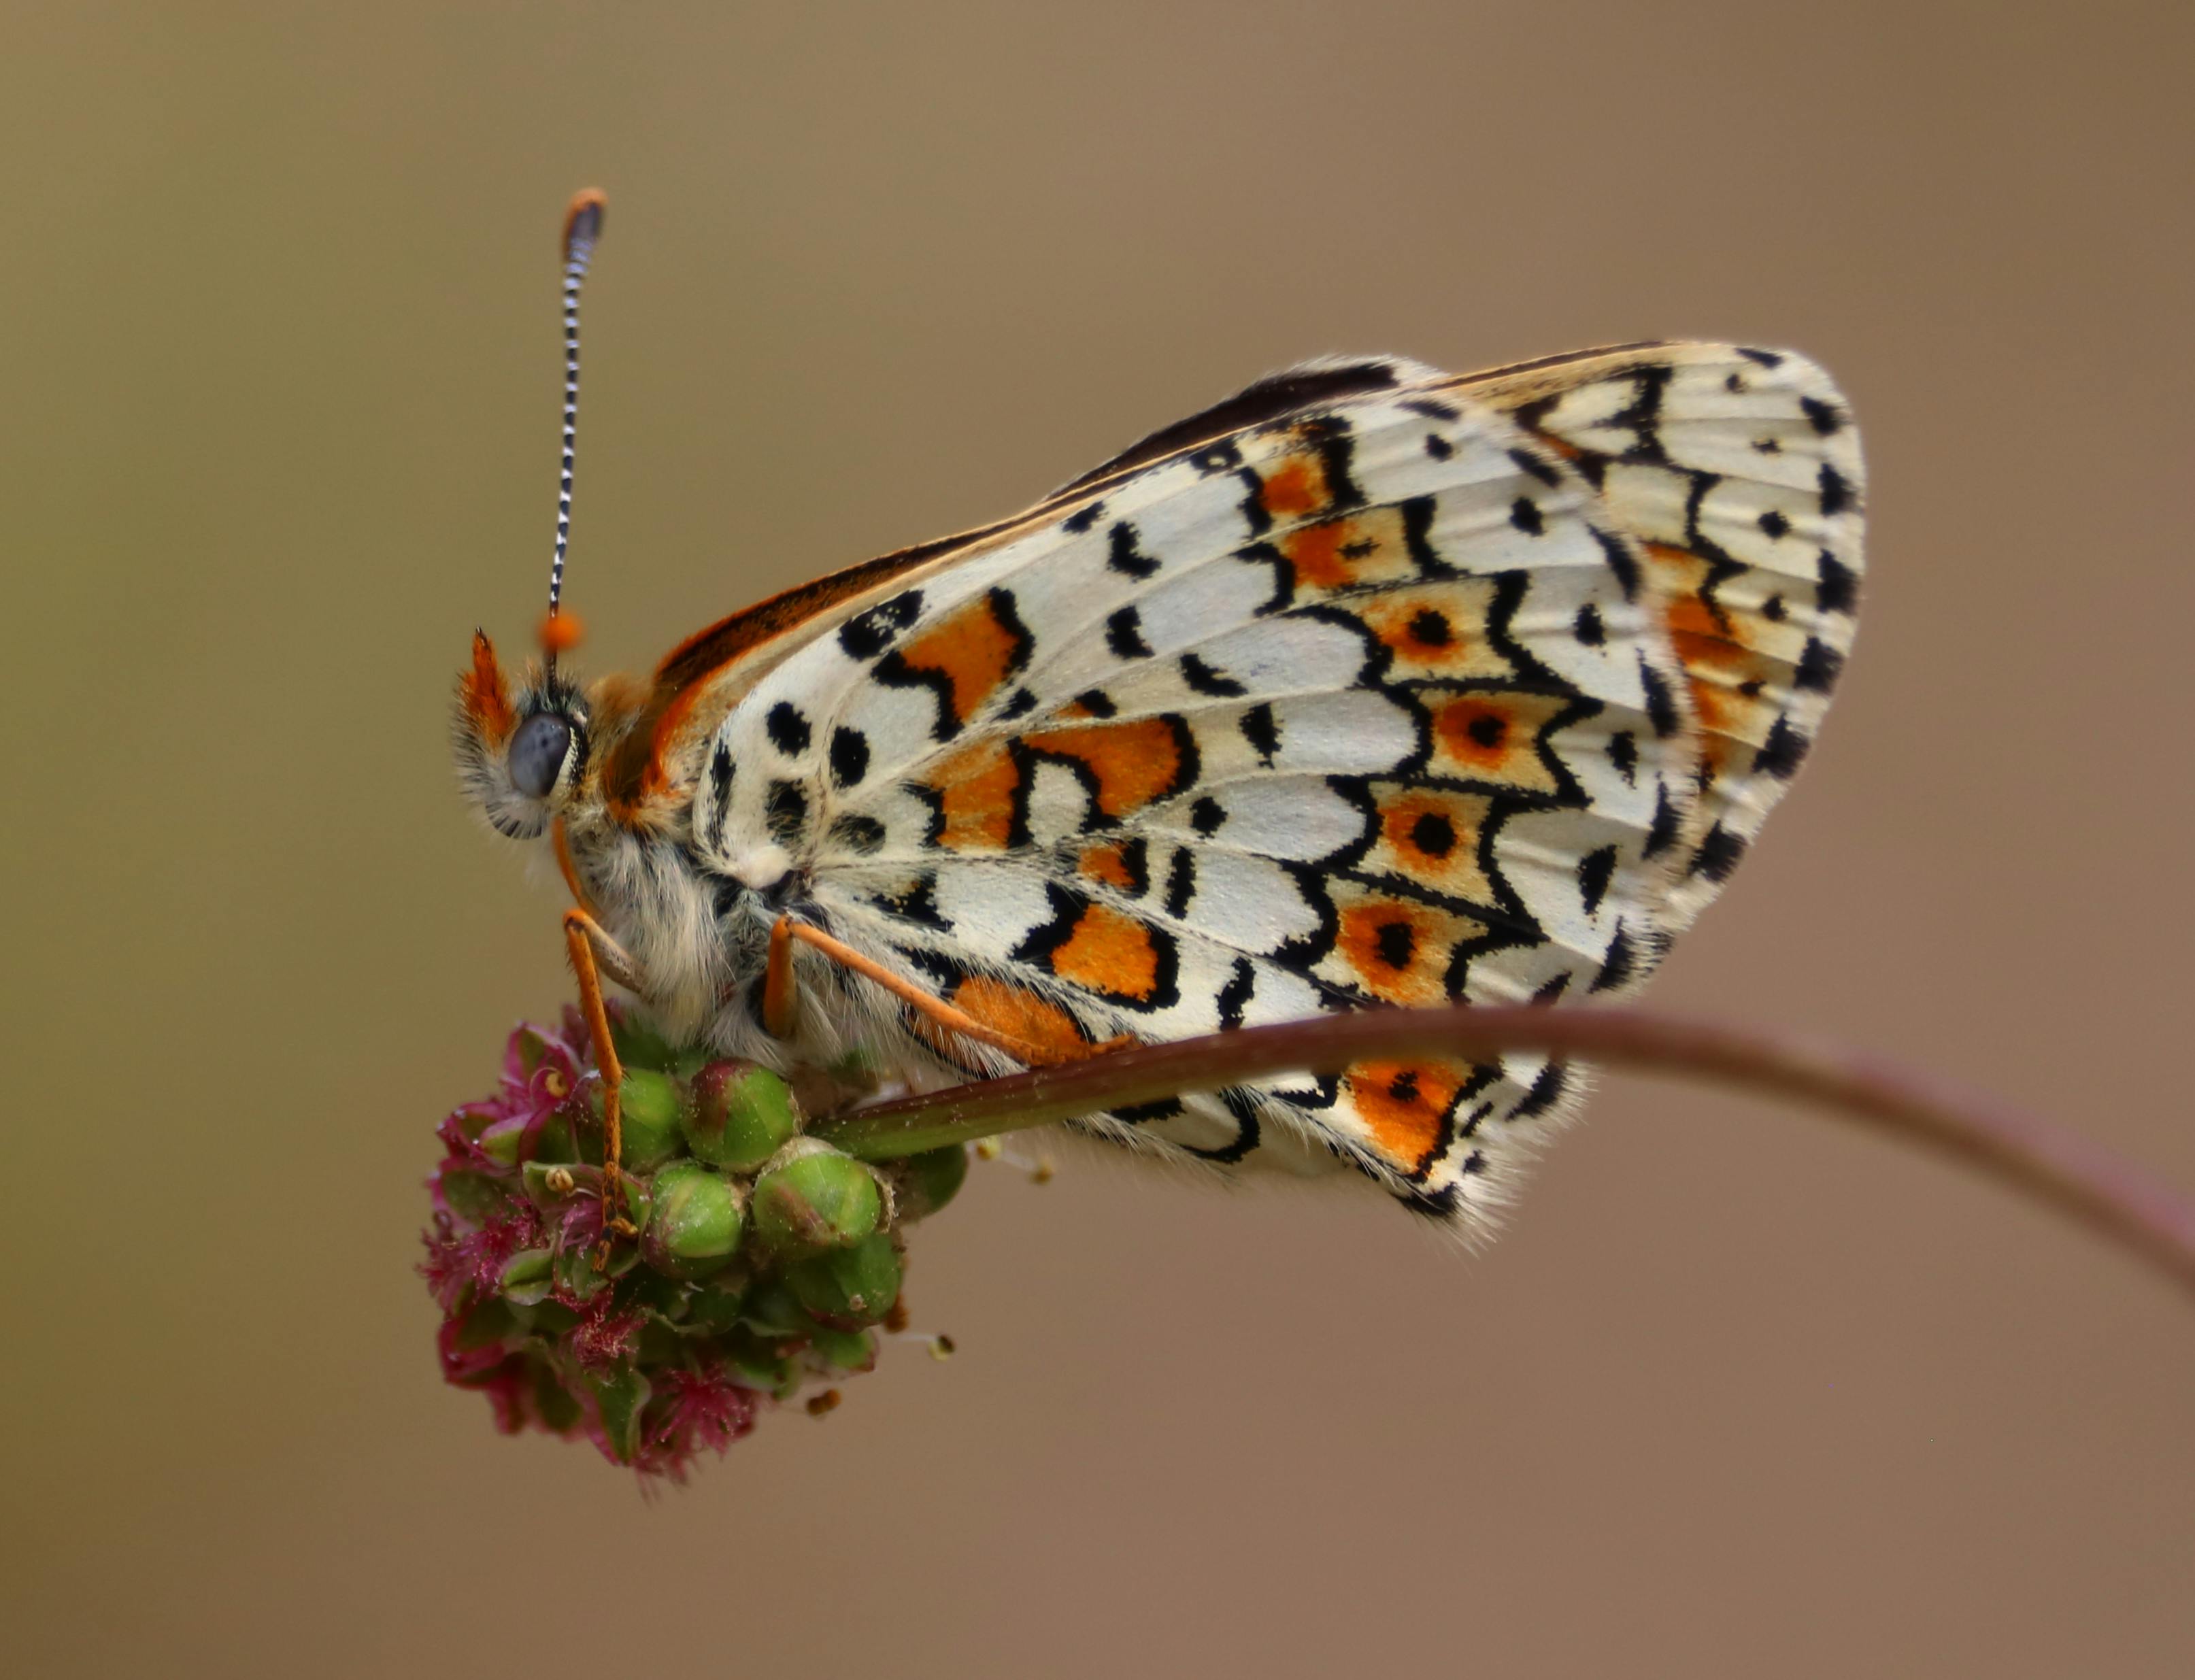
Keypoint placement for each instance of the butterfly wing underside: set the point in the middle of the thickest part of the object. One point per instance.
(1384, 699)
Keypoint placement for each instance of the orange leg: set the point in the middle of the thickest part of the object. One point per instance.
(781, 997)
(581, 935)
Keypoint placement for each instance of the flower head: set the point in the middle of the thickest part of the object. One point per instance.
(660, 1333)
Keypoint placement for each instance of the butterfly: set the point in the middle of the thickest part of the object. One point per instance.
(1370, 686)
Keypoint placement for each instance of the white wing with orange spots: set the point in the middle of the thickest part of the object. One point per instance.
(1368, 686)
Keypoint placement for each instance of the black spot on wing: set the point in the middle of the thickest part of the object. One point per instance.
(1835, 490)
(1234, 996)
(1263, 731)
(1621, 963)
(1542, 470)
(865, 634)
(1181, 883)
(720, 795)
(1206, 816)
(788, 731)
(853, 833)
(1719, 855)
(1839, 588)
(1623, 753)
(1124, 634)
(1547, 1091)
(1621, 560)
(786, 808)
(1819, 666)
(1662, 832)
(916, 903)
(1125, 556)
(1207, 679)
(1083, 518)
(1441, 1204)
(1661, 703)
(850, 755)
(1594, 872)
(1823, 416)
(1525, 513)
(1782, 752)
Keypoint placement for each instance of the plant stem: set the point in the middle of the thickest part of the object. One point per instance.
(2059, 1168)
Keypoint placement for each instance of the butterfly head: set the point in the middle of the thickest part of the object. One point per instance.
(523, 747)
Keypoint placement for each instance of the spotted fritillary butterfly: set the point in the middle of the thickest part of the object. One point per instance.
(1371, 685)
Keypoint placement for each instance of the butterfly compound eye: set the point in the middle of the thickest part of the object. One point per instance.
(538, 751)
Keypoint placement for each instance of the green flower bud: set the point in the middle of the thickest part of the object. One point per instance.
(575, 1271)
(932, 1178)
(697, 1221)
(649, 1110)
(812, 1197)
(526, 1279)
(741, 1115)
(714, 1307)
(771, 1310)
(757, 1362)
(548, 1187)
(848, 1287)
(556, 1141)
(844, 1350)
(558, 1410)
(621, 1398)
(500, 1141)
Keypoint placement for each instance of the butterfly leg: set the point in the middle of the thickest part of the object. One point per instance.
(583, 937)
(781, 997)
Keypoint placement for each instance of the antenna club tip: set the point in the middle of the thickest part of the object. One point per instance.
(559, 633)
(583, 218)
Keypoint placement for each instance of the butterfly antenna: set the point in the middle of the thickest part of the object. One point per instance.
(583, 226)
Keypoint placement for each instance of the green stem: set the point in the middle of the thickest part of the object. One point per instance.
(2081, 1180)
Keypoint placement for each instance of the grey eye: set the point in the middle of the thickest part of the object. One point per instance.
(538, 751)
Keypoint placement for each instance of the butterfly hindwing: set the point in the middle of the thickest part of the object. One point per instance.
(1369, 703)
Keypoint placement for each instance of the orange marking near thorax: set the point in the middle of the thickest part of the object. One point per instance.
(976, 789)
(1020, 1014)
(1133, 763)
(973, 650)
(1103, 861)
(1109, 953)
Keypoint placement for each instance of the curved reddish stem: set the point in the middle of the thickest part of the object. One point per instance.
(2059, 1168)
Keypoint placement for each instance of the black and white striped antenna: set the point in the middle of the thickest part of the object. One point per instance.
(583, 226)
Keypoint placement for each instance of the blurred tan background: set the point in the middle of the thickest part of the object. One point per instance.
(1739, 1391)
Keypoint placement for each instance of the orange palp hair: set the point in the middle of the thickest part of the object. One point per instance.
(485, 694)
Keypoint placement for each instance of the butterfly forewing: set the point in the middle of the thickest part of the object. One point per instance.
(1738, 472)
(1370, 703)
